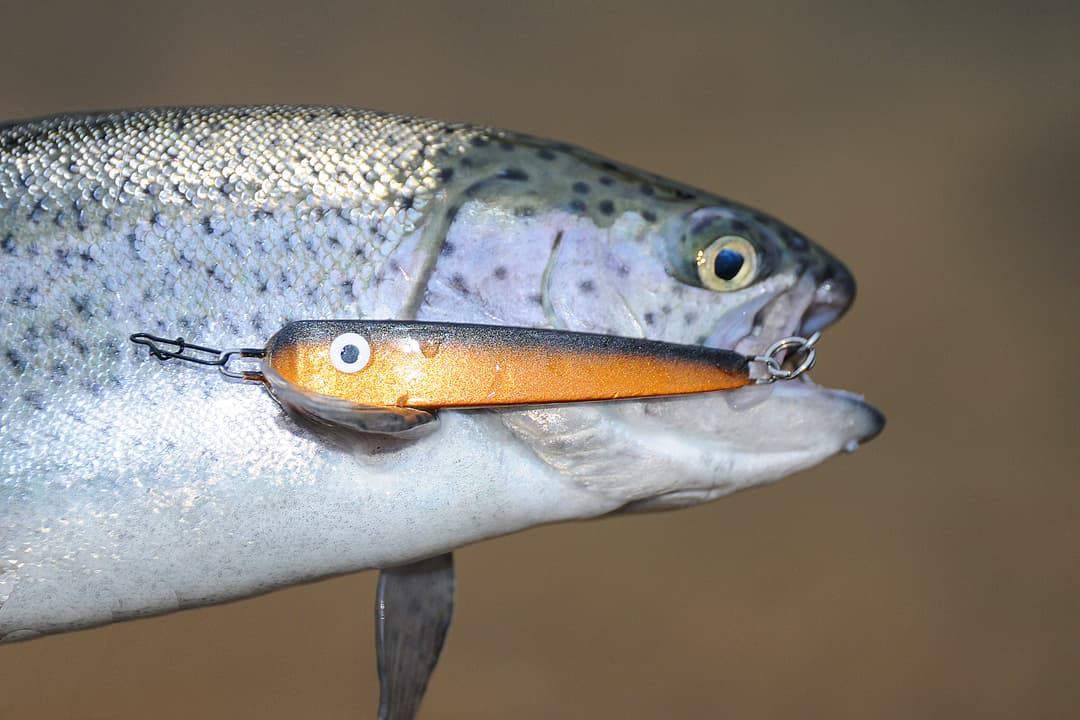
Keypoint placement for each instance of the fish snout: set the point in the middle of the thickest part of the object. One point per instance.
(834, 295)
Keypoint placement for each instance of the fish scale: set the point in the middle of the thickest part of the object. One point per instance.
(130, 487)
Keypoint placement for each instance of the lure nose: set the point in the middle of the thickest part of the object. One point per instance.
(834, 295)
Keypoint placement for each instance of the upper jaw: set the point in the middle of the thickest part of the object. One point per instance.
(821, 292)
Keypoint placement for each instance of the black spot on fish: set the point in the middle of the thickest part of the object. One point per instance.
(86, 258)
(650, 318)
(446, 174)
(405, 202)
(623, 271)
(580, 187)
(60, 219)
(606, 206)
(447, 249)
(505, 146)
(514, 174)
(545, 154)
(457, 282)
(16, 360)
(606, 180)
(451, 212)
(35, 398)
(690, 318)
(36, 212)
(649, 216)
(480, 141)
(587, 286)
(81, 303)
(8, 244)
(465, 162)
(648, 190)
(59, 371)
(24, 296)
(739, 226)
(500, 272)
(684, 194)
(609, 166)
(537, 298)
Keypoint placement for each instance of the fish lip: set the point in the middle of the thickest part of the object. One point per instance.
(833, 297)
(873, 423)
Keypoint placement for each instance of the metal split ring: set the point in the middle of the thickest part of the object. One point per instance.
(797, 346)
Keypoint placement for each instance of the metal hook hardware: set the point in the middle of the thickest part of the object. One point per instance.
(771, 358)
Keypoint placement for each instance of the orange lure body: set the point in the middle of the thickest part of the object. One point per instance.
(428, 366)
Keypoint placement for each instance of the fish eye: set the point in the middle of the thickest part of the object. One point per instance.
(728, 263)
(350, 352)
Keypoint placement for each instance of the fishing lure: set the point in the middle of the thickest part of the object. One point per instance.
(389, 376)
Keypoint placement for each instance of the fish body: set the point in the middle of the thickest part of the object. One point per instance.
(130, 487)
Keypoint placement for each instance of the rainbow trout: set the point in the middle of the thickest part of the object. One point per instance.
(131, 487)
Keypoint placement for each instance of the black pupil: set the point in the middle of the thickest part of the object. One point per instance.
(727, 264)
(349, 354)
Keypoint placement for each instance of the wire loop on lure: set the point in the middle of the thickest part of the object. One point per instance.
(180, 349)
(797, 346)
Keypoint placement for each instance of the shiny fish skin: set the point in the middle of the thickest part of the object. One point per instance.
(130, 487)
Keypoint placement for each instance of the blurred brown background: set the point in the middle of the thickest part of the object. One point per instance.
(935, 573)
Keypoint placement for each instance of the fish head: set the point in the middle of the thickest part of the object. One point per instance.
(604, 248)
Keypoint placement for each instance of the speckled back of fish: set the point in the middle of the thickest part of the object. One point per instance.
(131, 488)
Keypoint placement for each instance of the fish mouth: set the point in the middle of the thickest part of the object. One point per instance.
(667, 452)
(762, 432)
(670, 452)
(811, 304)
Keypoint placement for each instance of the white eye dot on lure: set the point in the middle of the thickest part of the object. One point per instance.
(350, 352)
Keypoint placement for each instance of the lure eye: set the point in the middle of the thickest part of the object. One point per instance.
(350, 352)
(728, 263)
